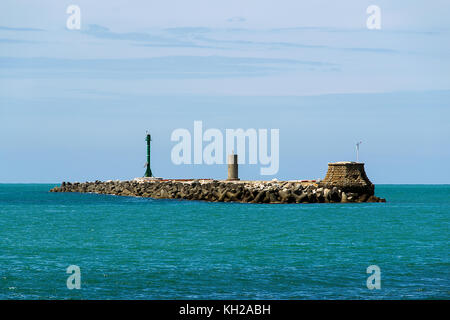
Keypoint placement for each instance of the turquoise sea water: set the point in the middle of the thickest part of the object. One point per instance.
(131, 248)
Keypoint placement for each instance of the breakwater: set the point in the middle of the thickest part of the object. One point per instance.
(221, 191)
(345, 182)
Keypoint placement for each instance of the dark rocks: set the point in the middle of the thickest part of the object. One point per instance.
(334, 195)
(222, 191)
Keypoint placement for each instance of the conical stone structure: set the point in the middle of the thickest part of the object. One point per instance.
(348, 177)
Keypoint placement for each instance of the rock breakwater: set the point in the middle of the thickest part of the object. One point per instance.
(223, 191)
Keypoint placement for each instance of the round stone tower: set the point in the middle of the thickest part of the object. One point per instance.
(349, 177)
(233, 167)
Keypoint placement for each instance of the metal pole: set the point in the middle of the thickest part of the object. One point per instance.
(357, 150)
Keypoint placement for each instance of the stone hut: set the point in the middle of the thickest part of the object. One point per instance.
(349, 177)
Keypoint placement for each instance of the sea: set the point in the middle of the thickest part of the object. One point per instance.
(141, 248)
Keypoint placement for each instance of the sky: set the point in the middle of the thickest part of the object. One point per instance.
(75, 104)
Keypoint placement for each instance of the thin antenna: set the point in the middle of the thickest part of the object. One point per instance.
(357, 150)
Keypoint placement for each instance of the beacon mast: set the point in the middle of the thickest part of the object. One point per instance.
(148, 172)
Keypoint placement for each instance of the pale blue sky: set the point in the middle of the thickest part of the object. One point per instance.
(74, 105)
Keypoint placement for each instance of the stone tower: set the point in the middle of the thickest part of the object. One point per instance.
(233, 167)
(349, 177)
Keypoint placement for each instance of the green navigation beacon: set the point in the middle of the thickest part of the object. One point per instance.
(148, 172)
